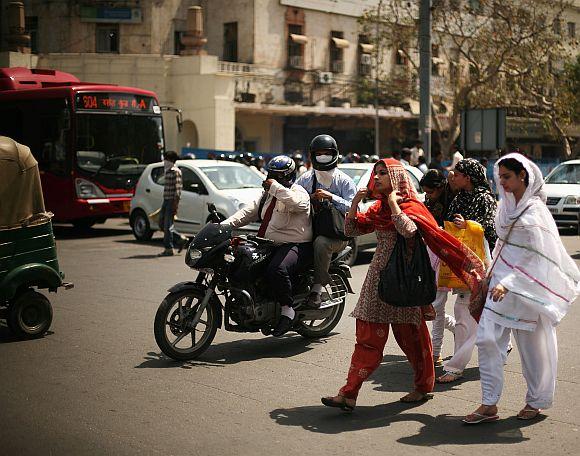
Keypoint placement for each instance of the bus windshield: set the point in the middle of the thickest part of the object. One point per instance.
(120, 144)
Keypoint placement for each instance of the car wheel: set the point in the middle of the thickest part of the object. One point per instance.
(140, 225)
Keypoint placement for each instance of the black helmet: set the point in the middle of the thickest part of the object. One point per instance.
(324, 142)
(282, 169)
(365, 158)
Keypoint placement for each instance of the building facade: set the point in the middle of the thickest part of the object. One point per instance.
(276, 73)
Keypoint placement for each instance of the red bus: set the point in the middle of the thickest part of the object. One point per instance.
(92, 141)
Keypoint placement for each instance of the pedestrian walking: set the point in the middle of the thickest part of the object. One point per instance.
(396, 210)
(171, 196)
(533, 281)
(476, 202)
(438, 198)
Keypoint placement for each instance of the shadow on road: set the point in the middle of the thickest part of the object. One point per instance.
(6, 337)
(70, 232)
(437, 430)
(238, 351)
(364, 257)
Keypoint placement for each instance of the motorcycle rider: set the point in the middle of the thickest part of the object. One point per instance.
(331, 185)
(284, 213)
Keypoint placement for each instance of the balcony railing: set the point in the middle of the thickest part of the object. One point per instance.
(337, 66)
(296, 61)
(235, 67)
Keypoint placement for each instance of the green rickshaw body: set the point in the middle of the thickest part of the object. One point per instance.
(27, 248)
(28, 258)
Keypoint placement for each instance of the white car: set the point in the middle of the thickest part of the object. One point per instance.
(228, 185)
(360, 173)
(562, 187)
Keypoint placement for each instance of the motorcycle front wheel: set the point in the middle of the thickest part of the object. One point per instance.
(312, 329)
(176, 333)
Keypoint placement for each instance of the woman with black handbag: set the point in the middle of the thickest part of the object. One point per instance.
(397, 211)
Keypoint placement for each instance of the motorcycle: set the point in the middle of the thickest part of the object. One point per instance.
(230, 290)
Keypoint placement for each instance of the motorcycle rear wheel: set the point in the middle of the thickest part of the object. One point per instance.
(309, 329)
(173, 321)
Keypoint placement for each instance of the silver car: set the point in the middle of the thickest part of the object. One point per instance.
(360, 173)
(228, 185)
(562, 187)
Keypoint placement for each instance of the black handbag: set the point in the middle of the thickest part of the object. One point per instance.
(327, 220)
(408, 282)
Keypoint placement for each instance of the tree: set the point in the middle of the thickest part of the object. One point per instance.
(486, 53)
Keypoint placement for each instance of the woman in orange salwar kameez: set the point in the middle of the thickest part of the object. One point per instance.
(396, 210)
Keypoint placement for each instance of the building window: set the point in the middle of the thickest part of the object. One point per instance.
(572, 29)
(177, 44)
(230, 42)
(108, 38)
(365, 59)
(557, 26)
(337, 45)
(436, 61)
(31, 25)
(296, 41)
(400, 57)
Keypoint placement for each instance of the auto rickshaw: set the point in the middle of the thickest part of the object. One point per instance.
(28, 259)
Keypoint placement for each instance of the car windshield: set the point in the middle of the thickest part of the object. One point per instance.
(565, 174)
(232, 177)
(355, 174)
(118, 144)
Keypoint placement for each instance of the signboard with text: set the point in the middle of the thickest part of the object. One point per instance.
(104, 101)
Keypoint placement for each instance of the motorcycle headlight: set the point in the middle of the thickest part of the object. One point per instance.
(572, 199)
(194, 254)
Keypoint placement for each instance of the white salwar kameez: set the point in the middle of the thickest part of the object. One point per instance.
(541, 282)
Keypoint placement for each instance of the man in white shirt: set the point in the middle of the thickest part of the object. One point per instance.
(416, 152)
(284, 213)
(406, 156)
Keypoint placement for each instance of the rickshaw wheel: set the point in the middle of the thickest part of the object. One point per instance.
(29, 315)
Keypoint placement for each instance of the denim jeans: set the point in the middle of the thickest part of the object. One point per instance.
(166, 222)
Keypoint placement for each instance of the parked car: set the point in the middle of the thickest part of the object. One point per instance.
(360, 173)
(562, 187)
(230, 186)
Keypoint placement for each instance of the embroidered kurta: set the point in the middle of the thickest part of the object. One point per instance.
(370, 307)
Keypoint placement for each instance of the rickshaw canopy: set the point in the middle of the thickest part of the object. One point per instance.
(21, 201)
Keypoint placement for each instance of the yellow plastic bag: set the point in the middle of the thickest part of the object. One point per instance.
(472, 237)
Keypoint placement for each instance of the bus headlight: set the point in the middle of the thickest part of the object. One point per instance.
(86, 189)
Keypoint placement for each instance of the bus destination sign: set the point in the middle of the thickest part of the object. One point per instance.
(103, 101)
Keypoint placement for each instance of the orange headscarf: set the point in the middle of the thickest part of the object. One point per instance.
(460, 258)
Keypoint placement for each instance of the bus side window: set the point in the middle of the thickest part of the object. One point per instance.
(12, 124)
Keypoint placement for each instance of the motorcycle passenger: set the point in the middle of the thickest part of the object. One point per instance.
(334, 186)
(284, 213)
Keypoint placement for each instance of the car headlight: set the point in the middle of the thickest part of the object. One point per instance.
(86, 189)
(572, 199)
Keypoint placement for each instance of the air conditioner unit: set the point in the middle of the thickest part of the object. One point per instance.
(365, 59)
(325, 77)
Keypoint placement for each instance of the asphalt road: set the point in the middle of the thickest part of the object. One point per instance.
(97, 384)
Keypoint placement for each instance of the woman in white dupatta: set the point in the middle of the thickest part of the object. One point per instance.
(532, 285)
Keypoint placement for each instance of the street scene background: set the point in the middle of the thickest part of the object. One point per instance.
(97, 383)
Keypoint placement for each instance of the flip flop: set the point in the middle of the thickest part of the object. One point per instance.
(528, 414)
(454, 377)
(330, 402)
(480, 418)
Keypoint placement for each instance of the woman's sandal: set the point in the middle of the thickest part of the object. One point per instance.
(448, 377)
(476, 418)
(341, 404)
(415, 396)
(528, 413)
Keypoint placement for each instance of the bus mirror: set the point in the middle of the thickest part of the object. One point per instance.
(178, 117)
